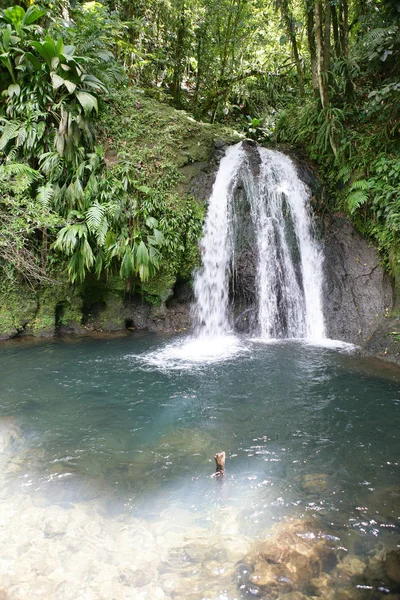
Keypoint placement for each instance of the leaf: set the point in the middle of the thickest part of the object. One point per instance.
(105, 55)
(69, 51)
(71, 87)
(21, 170)
(87, 101)
(158, 237)
(55, 61)
(142, 254)
(6, 37)
(94, 216)
(93, 82)
(59, 142)
(144, 189)
(14, 15)
(33, 60)
(144, 272)
(33, 14)
(56, 80)
(13, 90)
(10, 132)
(151, 222)
(356, 199)
(60, 46)
(360, 184)
(46, 50)
(126, 268)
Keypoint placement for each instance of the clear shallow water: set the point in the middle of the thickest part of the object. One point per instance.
(116, 456)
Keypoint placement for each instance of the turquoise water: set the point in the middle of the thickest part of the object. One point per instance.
(117, 427)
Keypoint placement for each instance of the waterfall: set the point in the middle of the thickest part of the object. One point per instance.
(288, 277)
(211, 283)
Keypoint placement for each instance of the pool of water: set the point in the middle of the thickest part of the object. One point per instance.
(108, 456)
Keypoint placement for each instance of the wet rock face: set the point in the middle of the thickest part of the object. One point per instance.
(357, 292)
(385, 340)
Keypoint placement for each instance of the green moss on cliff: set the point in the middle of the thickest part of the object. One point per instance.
(18, 308)
(161, 138)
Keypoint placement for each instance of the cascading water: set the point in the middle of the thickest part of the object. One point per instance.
(211, 283)
(289, 259)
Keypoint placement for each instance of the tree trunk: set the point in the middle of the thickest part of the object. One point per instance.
(179, 51)
(43, 253)
(199, 52)
(327, 37)
(336, 33)
(343, 19)
(289, 23)
(344, 27)
(322, 35)
(312, 48)
(321, 55)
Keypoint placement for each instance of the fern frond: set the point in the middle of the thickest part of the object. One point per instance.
(356, 199)
(20, 170)
(10, 132)
(345, 173)
(45, 194)
(360, 184)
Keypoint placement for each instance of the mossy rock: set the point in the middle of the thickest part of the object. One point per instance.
(69, 314)
(112, 318)
(44, 324)
(18, 307)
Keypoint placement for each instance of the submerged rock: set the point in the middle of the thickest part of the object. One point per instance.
(298, 562)
(351, 566)
(314, 483)
(294, 560)
(9, 432)
(392, 565)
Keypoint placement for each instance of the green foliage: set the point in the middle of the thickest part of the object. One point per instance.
(65, 202)
(92, 169)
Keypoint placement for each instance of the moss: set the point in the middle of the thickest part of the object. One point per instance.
(45, 319)
(112, 317)
(18, 307)
(167, 146)
(149, 130)
(69, 313)
(58, 306)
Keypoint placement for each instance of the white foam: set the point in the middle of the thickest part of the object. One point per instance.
(334, 344)
(195, 351)
(319, 343)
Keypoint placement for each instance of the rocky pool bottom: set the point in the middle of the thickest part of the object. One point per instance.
(107, 458)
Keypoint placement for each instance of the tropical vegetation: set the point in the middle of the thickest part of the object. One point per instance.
(323, 75)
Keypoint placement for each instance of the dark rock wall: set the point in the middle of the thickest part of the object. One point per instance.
(357, 291)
